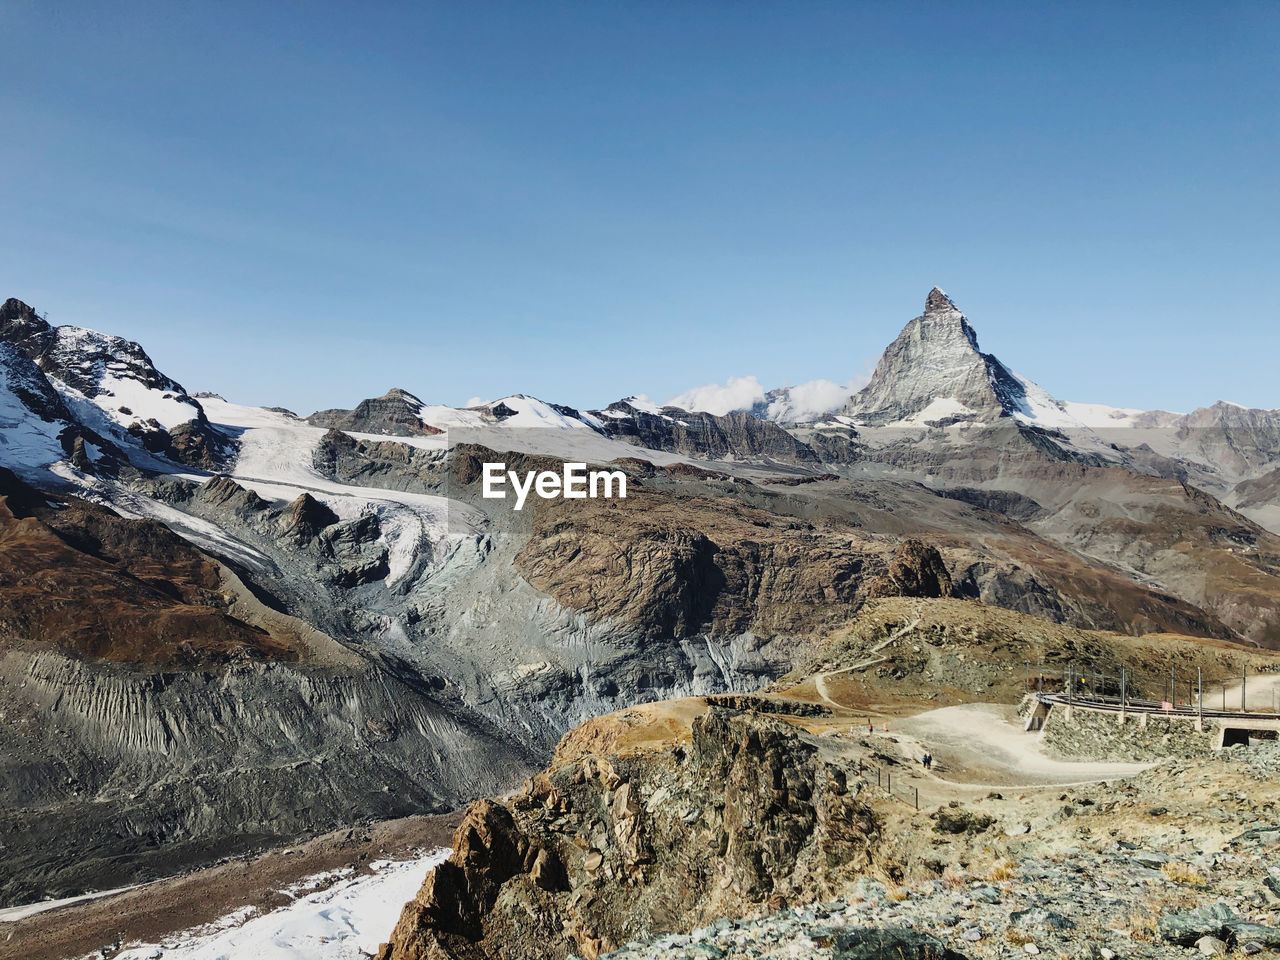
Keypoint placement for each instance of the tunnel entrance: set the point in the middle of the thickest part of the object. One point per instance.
(1237, 736)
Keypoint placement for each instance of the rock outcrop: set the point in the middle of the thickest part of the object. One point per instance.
(736, 436)
(601, 849)
(679, 566)
(916, 570)
(396, 413)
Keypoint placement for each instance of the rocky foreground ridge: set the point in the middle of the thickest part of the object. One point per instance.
(769, 825)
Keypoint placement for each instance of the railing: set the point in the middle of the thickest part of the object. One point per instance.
(909, 795)
(1153, 707)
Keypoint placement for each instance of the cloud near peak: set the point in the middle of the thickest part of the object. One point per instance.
(805, 401)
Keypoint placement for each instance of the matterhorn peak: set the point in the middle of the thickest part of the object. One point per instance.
(938, 302)
(934, 373)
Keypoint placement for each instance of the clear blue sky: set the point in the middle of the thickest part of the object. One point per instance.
(305, 204)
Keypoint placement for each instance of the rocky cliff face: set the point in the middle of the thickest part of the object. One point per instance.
(679, 567)
(396, 413)
(934, 372)
(734, 436)
(602, 849)
(111, 388)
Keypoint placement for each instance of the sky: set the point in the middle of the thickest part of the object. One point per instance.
(305, 204)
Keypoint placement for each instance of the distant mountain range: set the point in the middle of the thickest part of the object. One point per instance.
(323, 612)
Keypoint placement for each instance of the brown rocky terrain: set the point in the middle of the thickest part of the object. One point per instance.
(656, 829)
(82, 580)
(683, 566)
(598, 850)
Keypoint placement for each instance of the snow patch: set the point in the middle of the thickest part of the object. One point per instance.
(532, 413)
(939, 409)
(347, 920)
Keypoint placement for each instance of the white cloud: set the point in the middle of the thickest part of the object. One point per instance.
(805, 401)
(642, 401)
(739, 393)
(475, 402)
(808, 401)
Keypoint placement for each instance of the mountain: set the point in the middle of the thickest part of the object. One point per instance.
(934, 373)
(738, 436)
(112, 388)
(342, 576)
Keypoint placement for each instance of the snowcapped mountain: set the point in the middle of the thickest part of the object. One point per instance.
(803, 403)
(935, 374)
(111, 388)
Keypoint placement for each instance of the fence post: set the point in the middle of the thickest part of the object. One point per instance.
(917, 789)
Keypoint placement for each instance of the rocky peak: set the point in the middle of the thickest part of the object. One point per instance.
(396, 413)
(404, 396)
(21, 326)
(14, 311)
(938, 302)
(935, 374)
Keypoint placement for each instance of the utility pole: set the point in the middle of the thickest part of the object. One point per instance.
(1028, 664)
(1244, 675)
(1124, 702)
(1199, 694)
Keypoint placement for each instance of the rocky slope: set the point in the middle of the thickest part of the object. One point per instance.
(682, 829)
(344, 567)
(112, 388)
(706, 436)
(934, 373)
(81, 580)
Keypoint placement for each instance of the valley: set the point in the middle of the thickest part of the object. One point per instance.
(228, 630)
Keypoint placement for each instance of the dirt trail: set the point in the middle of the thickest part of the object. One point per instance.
(985, 742)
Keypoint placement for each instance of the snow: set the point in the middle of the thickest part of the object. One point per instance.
(532, 413)
(167, 408)
(275, 461)
(26, 442)
(14, 914)
(445, 417)
(1041, 409)
(1098, 416)
(346, 920)
(113, 365)
(939, 409)
(643, 404)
